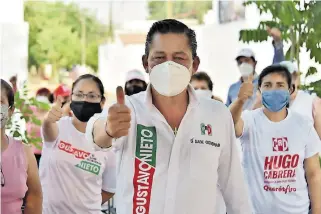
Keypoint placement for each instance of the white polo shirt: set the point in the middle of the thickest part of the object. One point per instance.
(73, 173)
(273, 156)
(158, 173)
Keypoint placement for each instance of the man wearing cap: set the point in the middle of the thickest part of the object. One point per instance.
(135, 82)
(246, 62)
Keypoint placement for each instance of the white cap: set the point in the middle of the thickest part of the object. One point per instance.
(292, 67)
(135, 74)
(245, 52)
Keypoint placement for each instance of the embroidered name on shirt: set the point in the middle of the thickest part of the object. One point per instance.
(67, 147)
(208, 142)
(145, 164)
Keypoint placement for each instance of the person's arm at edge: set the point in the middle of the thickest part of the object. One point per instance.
(217, 99)
(313, 175)
(317, 115)
(228, 100)
(34, 193)
(230, 176)
(312, 168)
(278, 52)
(106, 196)
(50, 131)
(236, 109)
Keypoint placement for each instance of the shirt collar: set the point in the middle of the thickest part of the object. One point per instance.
(193, 99)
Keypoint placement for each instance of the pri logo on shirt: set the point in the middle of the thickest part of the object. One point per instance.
(206, 129)
(280, 144)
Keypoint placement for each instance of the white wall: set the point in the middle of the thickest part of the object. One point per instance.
(13, 41)
(218, 45)
(13, 47)
(114, 61)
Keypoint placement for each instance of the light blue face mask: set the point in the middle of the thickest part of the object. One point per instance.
(275, 100)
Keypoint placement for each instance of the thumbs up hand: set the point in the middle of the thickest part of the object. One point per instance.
(118, 119)
(55, 113)
(246, 90)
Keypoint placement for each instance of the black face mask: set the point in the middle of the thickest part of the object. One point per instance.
(134, 89)
(84, 110)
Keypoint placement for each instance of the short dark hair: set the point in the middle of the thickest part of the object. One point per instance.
(276, 69)
(9, 92)
(171, 26)
(203, 76)
(95, 79)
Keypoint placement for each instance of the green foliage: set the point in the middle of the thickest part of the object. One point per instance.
(55, 34)
(23, 108)
(190, 9)
(300, 26)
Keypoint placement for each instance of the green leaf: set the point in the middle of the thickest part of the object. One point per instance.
(253, 35)
(27, 118)
(311, 71)
(288, 54)
(36, 121)
(317, 87)
(52, 25)
(27, 110)
(43, 106)
(16, 134)
(290, 17)
(36, 142)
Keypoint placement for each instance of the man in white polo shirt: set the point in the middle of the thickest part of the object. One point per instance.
(173, 147)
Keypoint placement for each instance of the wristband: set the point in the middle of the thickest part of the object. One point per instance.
(107, 132)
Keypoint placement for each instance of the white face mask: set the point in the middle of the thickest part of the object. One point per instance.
(169, 78)
(42, 99)
(246, 69)
(204, 93)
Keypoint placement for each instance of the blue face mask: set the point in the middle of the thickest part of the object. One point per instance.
(275, 100)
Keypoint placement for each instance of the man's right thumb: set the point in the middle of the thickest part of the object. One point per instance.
(120, 95)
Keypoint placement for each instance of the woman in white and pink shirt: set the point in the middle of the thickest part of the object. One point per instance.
(280, 148)
(76, 176)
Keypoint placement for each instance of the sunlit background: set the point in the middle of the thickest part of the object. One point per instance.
(49, 42)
